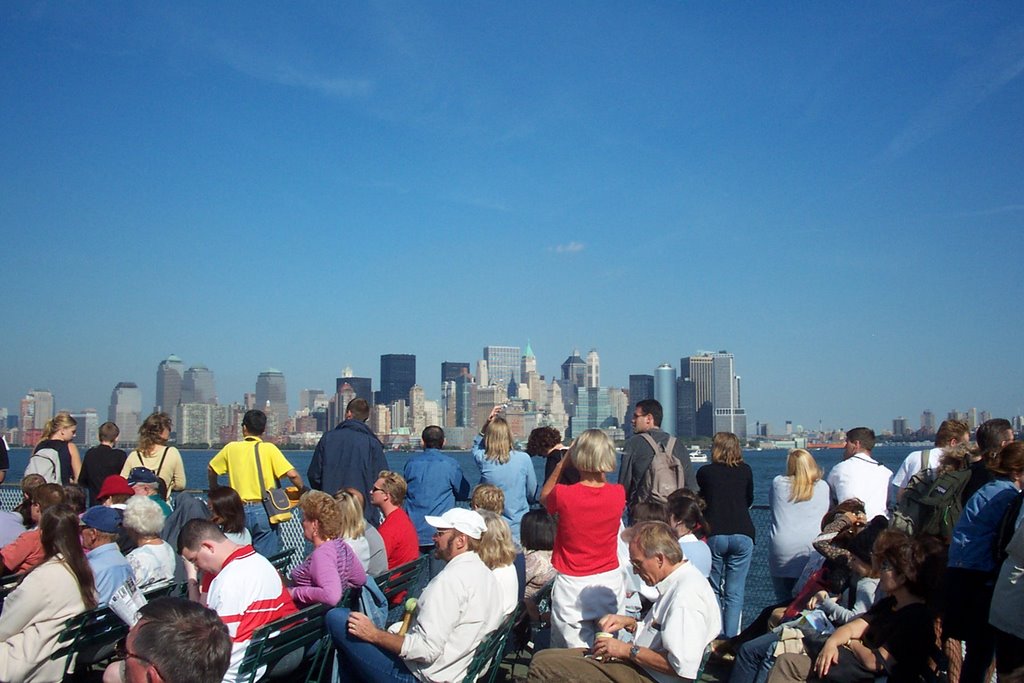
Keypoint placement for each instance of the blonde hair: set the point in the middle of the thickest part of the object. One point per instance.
(725, 449)
(804, 472)
(394, 486)
(593, 451)
(488, 497)
(496, 548)
(498, 441)
(317, 506)
(151, 432)
(56, 423)
(352, 523)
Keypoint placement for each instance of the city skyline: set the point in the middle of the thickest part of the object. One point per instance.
(674, 383)
(827, 191)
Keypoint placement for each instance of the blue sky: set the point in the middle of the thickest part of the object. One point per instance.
(833, 192)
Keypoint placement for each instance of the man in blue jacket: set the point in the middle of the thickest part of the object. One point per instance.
(350, 455)
(435, 481)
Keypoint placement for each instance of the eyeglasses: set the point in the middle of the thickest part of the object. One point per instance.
(441, 532)
(121, 652)
(375, 489)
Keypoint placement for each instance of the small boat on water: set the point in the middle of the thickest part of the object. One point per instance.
(697, 455)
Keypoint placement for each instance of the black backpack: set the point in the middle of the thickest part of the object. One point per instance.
(932, 507)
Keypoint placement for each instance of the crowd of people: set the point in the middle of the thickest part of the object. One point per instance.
(875, 574)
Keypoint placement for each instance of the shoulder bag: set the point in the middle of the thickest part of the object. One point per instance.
(275, 500)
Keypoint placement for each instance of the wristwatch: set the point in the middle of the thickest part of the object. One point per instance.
(634, 652)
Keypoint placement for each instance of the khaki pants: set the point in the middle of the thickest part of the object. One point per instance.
(569, 666)
(789, 668)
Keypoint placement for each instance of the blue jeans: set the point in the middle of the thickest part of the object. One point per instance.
(730, 560)
(360, 660)
(754, 659)
(265, 536)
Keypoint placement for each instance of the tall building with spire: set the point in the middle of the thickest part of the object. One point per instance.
(529, 362)
(169, 376)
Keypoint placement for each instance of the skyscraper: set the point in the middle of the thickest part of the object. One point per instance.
(686, 408)
(417, 410)
(451, 370)
(272, 398)
(699, 370)
(87, 433)
(397, 376)
(574, 370)
(307, 398)
(502, 364)
(593, 411)
(641, 388)
(169, 375)
(126, 410)
(36, 410)
(362, 387)
(725, 397)
(593, 369)
(197, 386)
(665, 393)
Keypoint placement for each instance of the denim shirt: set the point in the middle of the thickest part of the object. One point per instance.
(975, 531)
(517, 479)
(435, 481)
(109, 568)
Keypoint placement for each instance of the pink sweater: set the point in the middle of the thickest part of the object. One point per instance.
(326, 574)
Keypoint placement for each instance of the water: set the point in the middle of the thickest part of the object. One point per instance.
(765, 464)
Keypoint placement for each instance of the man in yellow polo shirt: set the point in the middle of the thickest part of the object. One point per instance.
(238, 461)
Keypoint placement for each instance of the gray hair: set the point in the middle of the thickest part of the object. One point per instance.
(143, 516)
(655, 538)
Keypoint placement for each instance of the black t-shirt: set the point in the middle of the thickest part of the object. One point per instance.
(99, 463)
(908, 634)
(5, 463)
(729, 492)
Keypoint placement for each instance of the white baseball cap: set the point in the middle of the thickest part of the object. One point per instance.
(468, 522)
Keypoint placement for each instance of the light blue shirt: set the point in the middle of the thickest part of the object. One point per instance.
(435, 481)
(696, 553)
(110, 569)
(516, 478)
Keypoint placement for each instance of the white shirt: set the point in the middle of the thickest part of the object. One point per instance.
(912, 465)
(860, 476)
(681, 622)
(152, 563)
(508, 586)
(456, 611)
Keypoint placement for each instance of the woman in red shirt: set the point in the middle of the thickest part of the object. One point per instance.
(589, 583)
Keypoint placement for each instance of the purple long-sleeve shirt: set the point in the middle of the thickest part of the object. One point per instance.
(326, 574)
